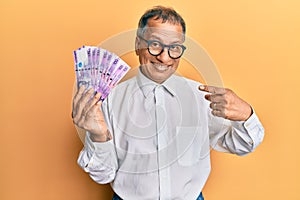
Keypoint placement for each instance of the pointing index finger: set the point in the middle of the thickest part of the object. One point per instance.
(212, 89)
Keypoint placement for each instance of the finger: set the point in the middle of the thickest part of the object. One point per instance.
(82, 103)
(218, 98)
(95, 109)
(91, 103)
(79, 93)
(214, 97)
(212, 89)
(76, 98)
(99, 103)
(217, 113)
(221, 113)
(215, 106)
(86, 122)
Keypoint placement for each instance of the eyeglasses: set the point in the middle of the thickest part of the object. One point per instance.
(155, 48)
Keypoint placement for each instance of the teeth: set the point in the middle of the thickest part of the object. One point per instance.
(161, 67)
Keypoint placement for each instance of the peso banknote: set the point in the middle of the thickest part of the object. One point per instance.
(99, 69)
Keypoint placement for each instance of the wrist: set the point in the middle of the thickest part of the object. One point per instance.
(248, 113)
(103, 137)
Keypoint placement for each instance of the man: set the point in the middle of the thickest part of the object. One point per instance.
(152, 137)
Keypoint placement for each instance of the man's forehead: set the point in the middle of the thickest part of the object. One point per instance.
(163, 30)
(166, 25)
(166, 29)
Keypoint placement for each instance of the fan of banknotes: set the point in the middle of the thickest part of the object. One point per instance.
(98, 68)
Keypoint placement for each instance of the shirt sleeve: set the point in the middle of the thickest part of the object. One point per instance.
(238, 137)
(99, 158)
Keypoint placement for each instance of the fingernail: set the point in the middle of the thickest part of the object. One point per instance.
(202, 87)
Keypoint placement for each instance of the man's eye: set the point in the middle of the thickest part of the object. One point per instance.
(175, 48)
(155, 44)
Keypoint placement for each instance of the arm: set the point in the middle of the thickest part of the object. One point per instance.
(237, 137)
(98, 157)
(233, 125)
(99, 160)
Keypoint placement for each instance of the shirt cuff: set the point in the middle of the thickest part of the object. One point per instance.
(97, 146)
(249, 124)
(252, 127)
(252, 122)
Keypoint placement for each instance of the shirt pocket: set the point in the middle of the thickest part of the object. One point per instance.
(192, 144)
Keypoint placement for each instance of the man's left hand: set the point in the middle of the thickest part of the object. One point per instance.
(225, 103)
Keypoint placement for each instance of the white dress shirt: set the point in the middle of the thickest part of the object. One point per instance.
(162, 136)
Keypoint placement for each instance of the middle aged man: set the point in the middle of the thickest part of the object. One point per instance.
(152, 137)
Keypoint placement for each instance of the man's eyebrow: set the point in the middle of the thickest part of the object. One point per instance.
(155, 37)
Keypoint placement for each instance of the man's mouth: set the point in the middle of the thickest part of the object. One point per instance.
(160, 67)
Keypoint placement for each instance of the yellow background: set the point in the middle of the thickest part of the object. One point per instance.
(254, 43)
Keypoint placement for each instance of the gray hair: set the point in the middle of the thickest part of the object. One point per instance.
(160, 12)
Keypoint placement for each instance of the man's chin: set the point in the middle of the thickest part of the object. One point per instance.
(161, 79)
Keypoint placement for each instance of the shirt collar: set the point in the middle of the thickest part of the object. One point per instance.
(147, 86)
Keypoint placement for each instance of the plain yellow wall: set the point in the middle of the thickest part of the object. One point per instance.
(254, 43)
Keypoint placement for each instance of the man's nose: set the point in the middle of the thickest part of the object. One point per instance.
(164, 56)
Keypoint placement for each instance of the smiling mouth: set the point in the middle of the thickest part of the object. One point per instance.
(159, 67)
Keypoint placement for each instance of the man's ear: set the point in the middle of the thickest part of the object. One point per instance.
(137, 45)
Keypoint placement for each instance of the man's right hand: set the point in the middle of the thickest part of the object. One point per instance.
(86, 114)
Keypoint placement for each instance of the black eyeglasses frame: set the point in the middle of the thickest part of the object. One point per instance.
(149, 42)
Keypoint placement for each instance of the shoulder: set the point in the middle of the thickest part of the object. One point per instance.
(189, 82)
(122, 89)
(192, 86)
(125, 84)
